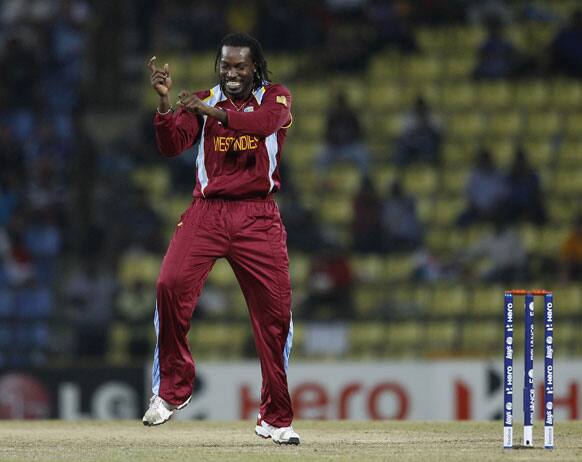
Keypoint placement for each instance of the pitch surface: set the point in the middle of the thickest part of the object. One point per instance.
(235, 441)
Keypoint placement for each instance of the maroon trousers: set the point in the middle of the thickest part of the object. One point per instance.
(251, 236)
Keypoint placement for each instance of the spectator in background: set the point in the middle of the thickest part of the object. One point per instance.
(343, 136)
(502, 254)
(303, 231)
(89, 294)
(367, 222)
(480, 11)
(485, 191)
(20, 70)
(330, 286)
(571, 252)
(497, 56)
(391, 25)
(402, 228)
(12, 175)
(44, 240)
(420, 136)
(566, 48)
(525, 197)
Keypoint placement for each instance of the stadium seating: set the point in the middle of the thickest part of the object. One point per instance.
(397, 316)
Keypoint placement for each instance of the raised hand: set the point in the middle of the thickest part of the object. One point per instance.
(160, 78)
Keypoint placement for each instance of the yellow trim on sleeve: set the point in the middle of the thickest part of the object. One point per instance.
(209, 96)
(290, 122)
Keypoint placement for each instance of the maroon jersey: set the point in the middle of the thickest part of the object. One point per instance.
(237, 160)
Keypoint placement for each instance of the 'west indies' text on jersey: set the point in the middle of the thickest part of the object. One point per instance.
(237, 160)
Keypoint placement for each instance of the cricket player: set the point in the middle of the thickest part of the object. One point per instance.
(237, 130)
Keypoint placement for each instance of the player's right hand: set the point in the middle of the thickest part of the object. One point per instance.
(160, 78)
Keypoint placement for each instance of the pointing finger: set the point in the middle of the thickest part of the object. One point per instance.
(152, 64)
(167, 69)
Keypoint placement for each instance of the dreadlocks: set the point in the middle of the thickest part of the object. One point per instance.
(245, 40)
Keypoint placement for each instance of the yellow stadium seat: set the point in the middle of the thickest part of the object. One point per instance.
(440, 337)
(237, 305)
(567, 94)
(421, 180)
(467, 38)
(309, 96)
(494, 95)
(537, 36)
(502, 149)
(488, 300)
(433, 41)
(119, 337)
(368, 268)
(561, 210)
(459, 66)
(425, 209)
(571, 154)
(534, 94)
(447, 209)
(483, 338)
(504, 123)
(542, 123)
(454, 180)
(469, 125)
(171, 208)
(138, 267)
(155, 180)
(552, 239)
(300, 155)
(369, 301)
(201, 64)
(389, 96)
(390, 125)
(343, 179)
(405, 337)
(458, 96)
(540, 152)
(222, 274)
(573, 125)
(310, 126)
(457, 153)
(283, 64)
(398, 267)
(422, 68)
(212, 340)
(383, 176)
(531, 236)
(299, 264)
(567, 338)
(568, 300)
(385, 66)
(367, 338)
(336, 210)
(436, 239)
(568, 181)
(448, 299)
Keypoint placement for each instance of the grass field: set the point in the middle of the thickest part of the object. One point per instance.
(321, 441)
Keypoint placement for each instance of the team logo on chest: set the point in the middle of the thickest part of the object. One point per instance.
(248, 109)
(240, 143)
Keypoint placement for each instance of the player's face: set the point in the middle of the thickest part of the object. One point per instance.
(236, 69)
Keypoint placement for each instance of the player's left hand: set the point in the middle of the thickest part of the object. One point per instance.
(192, 103)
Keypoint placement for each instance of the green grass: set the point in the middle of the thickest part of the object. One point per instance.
(321, 441)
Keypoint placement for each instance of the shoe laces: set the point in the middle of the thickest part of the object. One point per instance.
(156, 402)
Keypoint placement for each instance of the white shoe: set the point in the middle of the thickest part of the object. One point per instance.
(160, 411)
(279, 435)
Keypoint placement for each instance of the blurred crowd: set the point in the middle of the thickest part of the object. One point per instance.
(71, 224)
